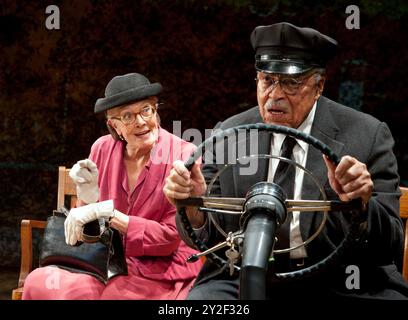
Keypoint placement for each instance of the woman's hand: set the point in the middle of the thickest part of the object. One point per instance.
(85, 175)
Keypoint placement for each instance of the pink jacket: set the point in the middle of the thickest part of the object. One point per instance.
(152, 243)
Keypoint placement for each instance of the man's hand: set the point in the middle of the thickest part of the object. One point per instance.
(85, 175)
(78, 217)
(350, 179)
(182, 184)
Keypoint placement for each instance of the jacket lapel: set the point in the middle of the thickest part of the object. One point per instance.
(324, 129)
(157, 168)
(115, 171)
(151, 182)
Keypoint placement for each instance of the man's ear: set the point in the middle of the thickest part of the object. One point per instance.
(320, 86)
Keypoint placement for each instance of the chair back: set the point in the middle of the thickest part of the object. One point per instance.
(66, 196)
(66, 189)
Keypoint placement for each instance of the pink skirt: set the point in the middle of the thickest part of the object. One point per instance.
(52, 283)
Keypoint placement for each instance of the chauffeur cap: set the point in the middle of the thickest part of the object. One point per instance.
(288, 49)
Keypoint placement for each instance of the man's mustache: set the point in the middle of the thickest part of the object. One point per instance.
(276, 104)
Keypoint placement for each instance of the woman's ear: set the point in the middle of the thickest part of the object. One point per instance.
(114, 126)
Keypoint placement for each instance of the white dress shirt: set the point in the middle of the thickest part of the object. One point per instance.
(300, 155)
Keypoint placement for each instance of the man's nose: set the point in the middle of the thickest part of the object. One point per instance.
(276, 93)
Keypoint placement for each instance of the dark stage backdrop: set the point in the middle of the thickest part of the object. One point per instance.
(198, 50)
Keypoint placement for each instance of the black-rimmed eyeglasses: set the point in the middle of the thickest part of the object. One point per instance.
(288, 85)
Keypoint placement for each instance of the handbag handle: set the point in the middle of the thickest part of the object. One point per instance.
(92, 231)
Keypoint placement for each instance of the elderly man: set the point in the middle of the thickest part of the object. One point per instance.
(290, 67)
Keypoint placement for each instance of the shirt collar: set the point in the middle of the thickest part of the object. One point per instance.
(305, 127)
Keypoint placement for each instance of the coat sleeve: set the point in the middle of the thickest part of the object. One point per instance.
(147, 237)
(384, 237)
(381, 237)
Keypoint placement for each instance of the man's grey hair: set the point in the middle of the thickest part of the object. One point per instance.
(319, 73)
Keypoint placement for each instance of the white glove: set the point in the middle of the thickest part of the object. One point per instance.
(78, 217)
(85, 175)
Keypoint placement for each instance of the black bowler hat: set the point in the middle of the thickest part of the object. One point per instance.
(125, 89)
(285, 48)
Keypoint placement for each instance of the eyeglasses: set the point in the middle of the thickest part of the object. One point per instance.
(288, 85)
(129, 118)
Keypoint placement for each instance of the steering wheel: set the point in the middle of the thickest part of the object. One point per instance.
(269, 199)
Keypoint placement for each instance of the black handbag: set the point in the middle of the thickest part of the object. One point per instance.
(102, 258)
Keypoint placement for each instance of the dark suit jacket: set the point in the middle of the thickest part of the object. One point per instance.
(346, 132)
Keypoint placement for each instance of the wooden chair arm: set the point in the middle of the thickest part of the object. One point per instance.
(404, 203)
(405, 257)
(26, 265)
(17, 294)
(404, 216)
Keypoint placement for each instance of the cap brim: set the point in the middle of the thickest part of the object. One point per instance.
(128, 96)
(275, 66)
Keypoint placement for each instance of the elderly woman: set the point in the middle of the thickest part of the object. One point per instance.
(126, 171)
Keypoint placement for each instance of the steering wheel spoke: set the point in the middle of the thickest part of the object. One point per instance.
(235, 204)
(321, 205)
(307, 205)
